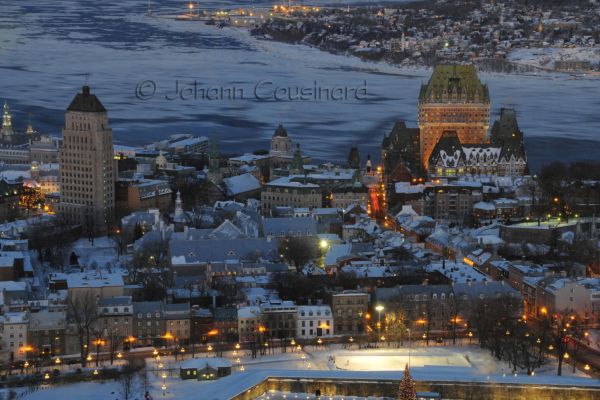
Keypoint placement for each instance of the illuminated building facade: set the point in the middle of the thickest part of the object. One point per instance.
(453, 100)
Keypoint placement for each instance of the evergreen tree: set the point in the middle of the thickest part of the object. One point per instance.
(407, 387)
(137, 232)
(73, 259)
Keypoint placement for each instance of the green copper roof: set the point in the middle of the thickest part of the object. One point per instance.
(463, 78)
(297, 164)
(214, 156)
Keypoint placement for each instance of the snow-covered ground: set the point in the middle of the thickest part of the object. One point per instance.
(545, 57)
(102, 252)
(444, 363)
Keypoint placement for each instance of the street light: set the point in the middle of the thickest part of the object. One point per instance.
(237, 346)
(238, 363)
(47, 376)
(155, 352)
(95, 372)
(409, 346)
(164, 379)
(119, 355)
(303, 357)
(379, 308)
(164, 387)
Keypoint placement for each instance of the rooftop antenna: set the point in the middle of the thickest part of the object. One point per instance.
(86, 79)
(149, 9)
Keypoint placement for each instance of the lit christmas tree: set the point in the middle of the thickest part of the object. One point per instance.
(407, 387)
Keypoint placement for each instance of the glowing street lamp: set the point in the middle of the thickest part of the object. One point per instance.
(164, 376)
(237, 346)
(299, 347)
(47, 376)
(89, 358)
(164, 387)
(238, 363)
(303, 357)
(155, 352)
(119, 355)
(319, 341)
(379, 308)
(95, 372)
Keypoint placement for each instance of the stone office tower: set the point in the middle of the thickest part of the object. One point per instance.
(453, 100)
(87, 171)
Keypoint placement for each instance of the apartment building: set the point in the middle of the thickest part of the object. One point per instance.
(115, 314)
(350, 309)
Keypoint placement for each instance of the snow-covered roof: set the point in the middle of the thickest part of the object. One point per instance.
(241, 184)
(200, 363)
(482, 205)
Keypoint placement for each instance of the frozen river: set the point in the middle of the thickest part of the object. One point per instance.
(50, 46)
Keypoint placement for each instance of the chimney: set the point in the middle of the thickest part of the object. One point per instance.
(185, 230)
(309, 302)
(214, 301)
(86, 91)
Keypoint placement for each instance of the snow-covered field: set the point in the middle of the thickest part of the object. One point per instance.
(101, 252)
(545, 57)
(444, 363)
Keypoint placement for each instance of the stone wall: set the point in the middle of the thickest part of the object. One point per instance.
(447, 389)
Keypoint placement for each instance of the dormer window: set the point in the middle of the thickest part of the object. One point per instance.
(299, 233)
(115, 310)
(303, 313)
(105, 310)
(191, 255)
(282, 233)
(310, 313)
(148, 315)
(139, 315)
(126, 309)
(231, 253)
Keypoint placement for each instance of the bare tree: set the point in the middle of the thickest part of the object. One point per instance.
(128, 382)
(455, 307)
(98, 334)
(120, 240)
(557, 327)
(82, 314)
(297, 254)
(115, 340)
(430, 308)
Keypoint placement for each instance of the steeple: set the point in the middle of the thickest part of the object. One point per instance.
(6, 122)
(297, 166)
(214, 171)
(368, 163)
(178, 208)
(214, 156)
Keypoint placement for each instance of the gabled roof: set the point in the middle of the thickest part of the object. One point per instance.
(285, 225)
(198, 252)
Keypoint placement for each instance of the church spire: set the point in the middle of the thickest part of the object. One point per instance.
(214, 156)
(178, 208)
(6, 122)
